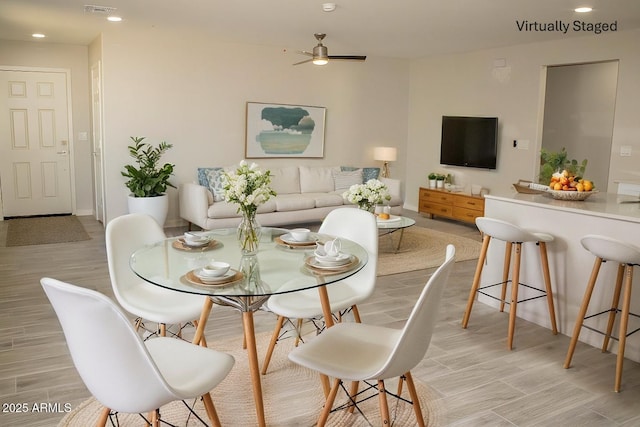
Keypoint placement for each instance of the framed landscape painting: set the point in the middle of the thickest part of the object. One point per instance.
(281, 130)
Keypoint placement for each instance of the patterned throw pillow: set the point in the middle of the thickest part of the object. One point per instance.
(212, 179)
(370, 173)
(345, 179)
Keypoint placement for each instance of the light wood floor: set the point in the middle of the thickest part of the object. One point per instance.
(476, 379)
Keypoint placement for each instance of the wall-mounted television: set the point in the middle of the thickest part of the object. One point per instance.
(469, 141)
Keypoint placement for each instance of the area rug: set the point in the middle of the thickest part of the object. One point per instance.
(421, 248)
(292, 397)
(45, 230)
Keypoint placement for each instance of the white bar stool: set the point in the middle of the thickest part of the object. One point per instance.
(511, 234)
(627, 256)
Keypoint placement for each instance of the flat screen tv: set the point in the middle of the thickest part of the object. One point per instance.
(469, 141)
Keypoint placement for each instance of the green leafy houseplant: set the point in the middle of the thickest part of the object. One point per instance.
(148, 179)
(433, 176)
(551, 162)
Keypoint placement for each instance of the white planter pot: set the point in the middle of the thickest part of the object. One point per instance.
(440, 183)
(157, 207)
(432, 183)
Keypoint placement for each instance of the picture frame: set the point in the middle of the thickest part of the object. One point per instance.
(284, 130)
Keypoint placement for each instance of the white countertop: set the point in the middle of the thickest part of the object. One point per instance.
(606, 205)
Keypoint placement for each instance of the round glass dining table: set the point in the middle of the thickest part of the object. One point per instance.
(282, 266)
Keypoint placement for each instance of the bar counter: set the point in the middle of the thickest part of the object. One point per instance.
(612, 215)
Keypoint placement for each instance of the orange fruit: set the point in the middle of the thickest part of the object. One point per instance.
(557, 186)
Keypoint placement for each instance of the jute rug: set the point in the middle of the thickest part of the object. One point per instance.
(292, 397)
(44, 230)
(421, 248)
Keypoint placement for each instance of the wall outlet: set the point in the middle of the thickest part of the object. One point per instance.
(625, 151)
(521, 144)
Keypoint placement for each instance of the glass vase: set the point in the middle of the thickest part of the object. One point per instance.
(249, 234)
(366, 206)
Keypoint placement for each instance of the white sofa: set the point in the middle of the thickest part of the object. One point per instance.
(304, 194)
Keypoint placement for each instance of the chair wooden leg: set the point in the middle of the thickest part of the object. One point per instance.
(476, 281)
(384, 405)
(155, 418)
(615, 303)
(272, 343)
(163, 329)
(624, 322)
(298, 331)
(414, 398)
(583, 311)
(353, 392)
(356, 313)
(505, 273)
(211, 410)
(104, 416)
(328, 404)
(544, 258)
(513, 307)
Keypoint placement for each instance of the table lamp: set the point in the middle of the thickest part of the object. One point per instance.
(386, 155)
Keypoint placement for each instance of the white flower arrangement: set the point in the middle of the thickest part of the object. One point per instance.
(247, 186)
(367, 195)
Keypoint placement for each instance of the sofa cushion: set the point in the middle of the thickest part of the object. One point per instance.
(230, 210)
(316, 179)
(324, 200)
(293, 202)
(344, 179)
(285, 180)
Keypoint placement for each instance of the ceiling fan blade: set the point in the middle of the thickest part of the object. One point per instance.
(303, 62)
(304, 52)
(349, 57)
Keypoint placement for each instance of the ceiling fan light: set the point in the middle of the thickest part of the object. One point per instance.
(320, 61)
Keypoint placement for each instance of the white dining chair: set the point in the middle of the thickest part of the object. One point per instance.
(353, 224)
(361, 352)
(121, 371)
(124, 235)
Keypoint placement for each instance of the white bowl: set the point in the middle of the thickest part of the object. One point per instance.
(195, 240)
(300, 234)
(215, 269)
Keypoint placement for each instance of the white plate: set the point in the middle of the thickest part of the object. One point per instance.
(342, 258)
(312, 261)
(213, 279)
(287, 238)
(392, 218)
(199, 244)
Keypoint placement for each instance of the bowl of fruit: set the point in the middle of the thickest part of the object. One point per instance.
(565, 186)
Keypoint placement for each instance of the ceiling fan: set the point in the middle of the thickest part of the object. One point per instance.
(320, 54)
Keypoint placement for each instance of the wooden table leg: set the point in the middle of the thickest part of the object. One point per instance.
(204, 315)
(249, 334)
(328, 321)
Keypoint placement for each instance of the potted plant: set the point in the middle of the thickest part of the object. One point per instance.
(432, 180)
(551, 162)
(440, 181)
(148, 181)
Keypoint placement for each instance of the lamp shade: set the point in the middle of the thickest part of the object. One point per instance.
(385, 154)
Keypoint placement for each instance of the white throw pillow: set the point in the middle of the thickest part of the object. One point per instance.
(345, 179)
(316, 180)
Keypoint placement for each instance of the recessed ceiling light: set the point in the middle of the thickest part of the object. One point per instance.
(328, 7)
(114, 19)
(584, 9)
(38, 35)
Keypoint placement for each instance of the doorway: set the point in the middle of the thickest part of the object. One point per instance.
(579, 109)
(35, 148)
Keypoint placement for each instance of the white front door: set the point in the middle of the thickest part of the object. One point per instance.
(35, 172)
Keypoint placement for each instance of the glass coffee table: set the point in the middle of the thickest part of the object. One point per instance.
(386, 227)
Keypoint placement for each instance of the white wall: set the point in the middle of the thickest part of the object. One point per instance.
(469, 84)
(74, 58)
(192, 92)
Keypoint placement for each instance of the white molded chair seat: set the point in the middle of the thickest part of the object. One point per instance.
(514, 237)
(361, 352)
(353, 224)
(121, 371)
(627, 256)
(125, 235)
